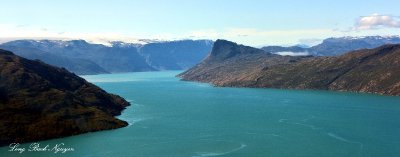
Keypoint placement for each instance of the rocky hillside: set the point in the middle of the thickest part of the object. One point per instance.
(229, 62)
(39, 101)
(368, 70)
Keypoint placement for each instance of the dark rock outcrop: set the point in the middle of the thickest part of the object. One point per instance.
(39, 101)
(367, 70)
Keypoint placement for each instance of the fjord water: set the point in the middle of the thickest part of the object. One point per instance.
(172, 118)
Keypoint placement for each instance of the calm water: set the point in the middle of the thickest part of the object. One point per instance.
(171, 118)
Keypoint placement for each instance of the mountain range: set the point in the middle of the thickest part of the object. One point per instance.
(336, 46)
(82, 57)
(39, 101)
(77, 65)
(366, 70)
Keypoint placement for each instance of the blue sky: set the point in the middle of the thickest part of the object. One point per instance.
(251, 22)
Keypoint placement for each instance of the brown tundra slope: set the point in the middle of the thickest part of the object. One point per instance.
(39, 101)
(368, 70)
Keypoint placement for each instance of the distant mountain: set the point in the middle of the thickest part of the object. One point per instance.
(111, 59)
(79, 66)
(175, 55)
(39, 101)
(302, 46)
(336, 46)
(119, 57)
(367, 70)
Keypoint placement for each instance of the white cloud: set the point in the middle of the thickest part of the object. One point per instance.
(376, 21)
(247, 36)
(259, 38)
(14, 32)
(288, 53)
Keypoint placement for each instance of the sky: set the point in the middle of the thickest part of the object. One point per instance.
(249, 22)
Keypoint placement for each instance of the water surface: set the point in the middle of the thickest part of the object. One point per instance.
(172, 118)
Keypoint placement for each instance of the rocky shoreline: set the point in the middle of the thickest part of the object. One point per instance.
(39, 102)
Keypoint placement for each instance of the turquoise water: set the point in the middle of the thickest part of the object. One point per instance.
(172, 118)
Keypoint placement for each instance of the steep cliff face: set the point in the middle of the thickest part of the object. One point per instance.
(39, 101)
(224, 49)
(368, 70)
